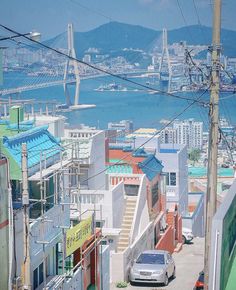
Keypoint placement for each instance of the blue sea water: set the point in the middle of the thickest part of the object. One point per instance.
(143, 108)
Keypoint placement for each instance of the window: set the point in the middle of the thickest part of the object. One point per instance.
(171, 178)
(59, 261)
(155, 193)
(131, 189)
(84, 177)
(38, 276)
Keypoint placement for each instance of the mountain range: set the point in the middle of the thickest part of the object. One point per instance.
(114, 37)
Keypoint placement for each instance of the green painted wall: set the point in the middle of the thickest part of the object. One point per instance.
(228, 253)
(14, 111)
(15, 170)
(231, 285)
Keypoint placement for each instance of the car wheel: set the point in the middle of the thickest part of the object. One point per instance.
(183, 240)
(166, 282)
(174, 274)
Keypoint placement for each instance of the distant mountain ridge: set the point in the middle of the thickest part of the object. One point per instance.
(115, 36)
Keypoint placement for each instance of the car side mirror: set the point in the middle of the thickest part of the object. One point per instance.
(134, 261)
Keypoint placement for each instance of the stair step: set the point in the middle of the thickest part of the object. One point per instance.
(128, 218)
(126, 224)
(124, 239)
(125, 231)
(129, 213)
(121, 249)
(132, 204)
(130, 199)
(123, 244)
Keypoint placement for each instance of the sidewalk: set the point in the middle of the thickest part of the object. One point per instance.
(189, 262)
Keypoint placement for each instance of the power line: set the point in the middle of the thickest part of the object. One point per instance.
(91, 10)
(103, 70)
(149, 139)
(184, 19)
(199, 21)
(228, 146)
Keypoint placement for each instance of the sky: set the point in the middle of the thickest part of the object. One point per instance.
(50, 17)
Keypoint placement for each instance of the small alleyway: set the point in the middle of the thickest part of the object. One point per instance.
(189, 262)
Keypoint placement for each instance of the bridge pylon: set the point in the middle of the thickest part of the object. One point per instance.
(71, 63)
(165, 59)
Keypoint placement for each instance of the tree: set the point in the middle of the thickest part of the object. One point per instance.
(194, 155)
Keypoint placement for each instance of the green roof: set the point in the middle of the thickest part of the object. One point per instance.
(202, 171)
(232, 277)
(123, 168)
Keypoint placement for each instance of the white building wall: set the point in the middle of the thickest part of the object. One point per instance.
(90, 149)
(176, 162)
(18, 234)
(183, 180)
(109, 204)
(56, 124)
(97, 161)
(141, 216)
(153, 144)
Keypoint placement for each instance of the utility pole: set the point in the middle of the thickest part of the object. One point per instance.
(26, 228)
(211, 195)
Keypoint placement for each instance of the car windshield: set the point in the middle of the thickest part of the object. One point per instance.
(151, 259)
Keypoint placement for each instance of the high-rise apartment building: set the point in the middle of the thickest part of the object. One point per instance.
(168, 135)
(189, 132)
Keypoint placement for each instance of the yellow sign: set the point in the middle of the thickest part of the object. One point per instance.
(76, 236)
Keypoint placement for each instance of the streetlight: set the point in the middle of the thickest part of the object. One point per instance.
(32, 35)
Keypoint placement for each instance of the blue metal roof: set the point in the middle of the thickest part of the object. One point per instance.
(140, 153)
(151, 166)
(169, 150)
(23, 126)
(39, 141)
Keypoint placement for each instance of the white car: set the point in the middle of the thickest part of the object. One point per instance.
(153, 266)
(187, 235)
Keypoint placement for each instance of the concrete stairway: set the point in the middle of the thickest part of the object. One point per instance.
(127, 223)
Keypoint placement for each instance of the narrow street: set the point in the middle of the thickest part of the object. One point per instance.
(189, 262)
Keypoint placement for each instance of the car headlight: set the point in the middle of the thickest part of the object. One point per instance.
(134, 271)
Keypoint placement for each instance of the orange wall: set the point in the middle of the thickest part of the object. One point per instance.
(167, 241)
(173, 234)
(119, 154)
(191, 207)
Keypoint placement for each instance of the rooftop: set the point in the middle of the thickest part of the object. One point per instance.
(151, 166)
(40, 143)
(143, 132)
(202, 172)
(120, 168)
(169, 150)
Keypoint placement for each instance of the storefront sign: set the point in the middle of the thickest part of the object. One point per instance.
(76, 236)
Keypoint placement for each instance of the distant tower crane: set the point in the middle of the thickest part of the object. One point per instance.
(71, 63)
(165, 75)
